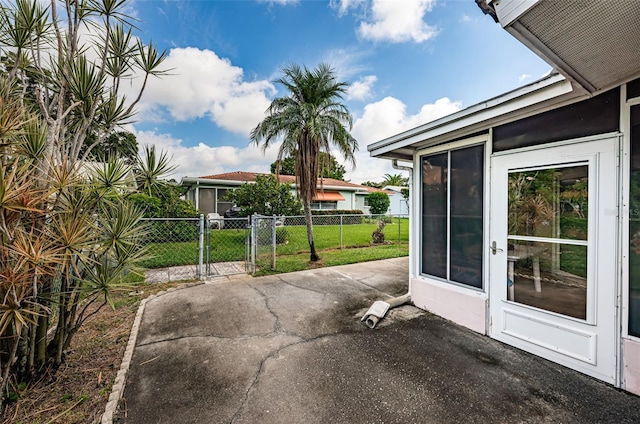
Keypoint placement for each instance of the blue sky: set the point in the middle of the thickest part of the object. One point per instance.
(408, 62)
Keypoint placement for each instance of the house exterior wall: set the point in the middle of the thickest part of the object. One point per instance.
(462, 306)
(397, 204)
(631, 361)
(352, 200)
(359, 203)
(469, 307)
(349, 200)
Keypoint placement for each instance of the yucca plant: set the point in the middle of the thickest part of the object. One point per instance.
(68, 234)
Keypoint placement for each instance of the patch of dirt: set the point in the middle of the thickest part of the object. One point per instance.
(316, 264)
(79, 390)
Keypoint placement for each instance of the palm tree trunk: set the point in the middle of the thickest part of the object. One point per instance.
(307, 217)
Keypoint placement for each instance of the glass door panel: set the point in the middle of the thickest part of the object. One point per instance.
(547, 241)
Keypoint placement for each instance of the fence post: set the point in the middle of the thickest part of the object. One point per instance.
(254, 240)
(200, 247)
(274, 242)
(208, 244)
(341, 231)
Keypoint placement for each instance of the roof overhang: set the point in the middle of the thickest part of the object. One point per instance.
(197, 181)
(193, 181)
(594, 43)
(551, 91)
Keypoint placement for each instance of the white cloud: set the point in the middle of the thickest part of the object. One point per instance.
(203, 84)
(383, 119)
(343, 6)
(524, 77)
(280, 2)
(379, 120)
(466, 18)
(389, 116)
(361, 89)
(346, 62)
(201, 160)
(398, 23)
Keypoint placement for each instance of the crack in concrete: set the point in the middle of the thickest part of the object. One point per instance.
(277, 331)
(276, 327)
(206, 336)
(272, 354)
(363, 283)
(301, 288)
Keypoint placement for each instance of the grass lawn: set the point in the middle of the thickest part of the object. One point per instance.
(300, 261)
(229, 245)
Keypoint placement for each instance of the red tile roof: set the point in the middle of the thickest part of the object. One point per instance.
(285, 179)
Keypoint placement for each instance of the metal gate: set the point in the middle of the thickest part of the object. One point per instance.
(262, 241)
(226, 246)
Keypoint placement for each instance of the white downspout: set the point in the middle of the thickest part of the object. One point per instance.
(409, 169)
(197, 199)
(379, 309)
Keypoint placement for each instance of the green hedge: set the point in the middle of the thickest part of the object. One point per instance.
(336, 212)
(351, 217)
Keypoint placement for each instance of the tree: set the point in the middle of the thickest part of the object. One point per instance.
(394, 180)
(266, 197)
(118, 145)
(167, 203)
(67, 234)
(378, 202)
(329, 166)
(372, 184)
(150, 168)
(405, 194)
(309, 120)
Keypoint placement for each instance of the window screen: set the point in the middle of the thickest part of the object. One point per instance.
(598, 115)
(633, 89)
(634, 226)
(452, 215)
(206, 200)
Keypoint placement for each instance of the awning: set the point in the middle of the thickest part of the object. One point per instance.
(328, 196)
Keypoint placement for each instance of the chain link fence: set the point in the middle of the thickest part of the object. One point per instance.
(196, 248)
(280, 236)
(172, 248)
(226, 246)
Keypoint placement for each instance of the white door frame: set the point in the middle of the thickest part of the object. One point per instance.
(589, 346)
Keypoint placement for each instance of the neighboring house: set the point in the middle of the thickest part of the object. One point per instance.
(398, 205)
(209, 193)
(527, 205)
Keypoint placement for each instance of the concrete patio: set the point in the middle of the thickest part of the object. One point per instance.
(290, 348)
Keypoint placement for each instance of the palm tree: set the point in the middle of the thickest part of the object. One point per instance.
(310, 120)
(394, 180)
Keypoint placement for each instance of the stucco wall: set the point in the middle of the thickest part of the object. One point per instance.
(465, 307)
(631, 360)
(348, 201)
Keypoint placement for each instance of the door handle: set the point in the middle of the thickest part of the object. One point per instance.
(495, 249)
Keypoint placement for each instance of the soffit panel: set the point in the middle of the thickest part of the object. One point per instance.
(599, 40)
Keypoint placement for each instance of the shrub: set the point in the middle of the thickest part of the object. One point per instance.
(282, 235)
(265, 197)
(352, 216)
(336, 212)
(378, 202)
